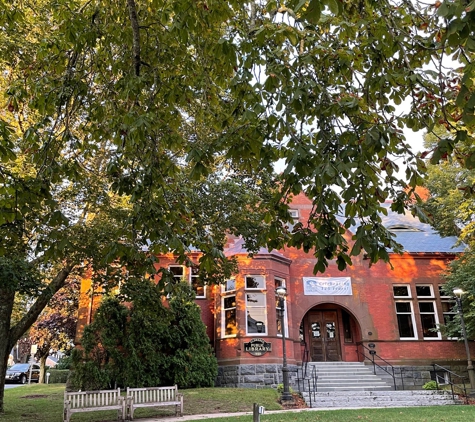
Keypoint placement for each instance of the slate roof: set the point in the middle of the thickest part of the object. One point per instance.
(418, 237)
(238, 248)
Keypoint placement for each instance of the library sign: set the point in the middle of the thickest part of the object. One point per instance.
(257, 347)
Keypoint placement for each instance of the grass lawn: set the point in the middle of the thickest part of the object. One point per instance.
(44, 403)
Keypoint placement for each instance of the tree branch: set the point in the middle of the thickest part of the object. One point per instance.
(32, 315)
(136, 35)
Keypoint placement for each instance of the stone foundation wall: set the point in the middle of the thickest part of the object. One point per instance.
(254, 376)
(414, 377)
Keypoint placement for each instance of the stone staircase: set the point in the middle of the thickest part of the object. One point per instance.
(353, 385)
(367, 399)
(347, 376)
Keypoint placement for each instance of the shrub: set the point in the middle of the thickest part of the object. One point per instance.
(146, 344)
(431, 385)
(58, 376)
(280, 389)
(64, 363)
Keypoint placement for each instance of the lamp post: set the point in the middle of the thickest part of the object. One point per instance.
(471, 374)
(281, 293)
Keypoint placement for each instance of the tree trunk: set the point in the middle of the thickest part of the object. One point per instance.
(10, 335)
(43, 358)
(7, 298)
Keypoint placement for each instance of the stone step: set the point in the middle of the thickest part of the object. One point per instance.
(399, 393)
(364, 399)
(344, 376)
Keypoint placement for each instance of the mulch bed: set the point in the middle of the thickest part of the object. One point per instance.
(298, 403)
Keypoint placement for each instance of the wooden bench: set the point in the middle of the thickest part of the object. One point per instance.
(90, 401)
(154, 397)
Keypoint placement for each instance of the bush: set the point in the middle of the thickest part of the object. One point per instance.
(58, 376)
(431, 385)
(280, 389)
(64, 363)
(146, 344)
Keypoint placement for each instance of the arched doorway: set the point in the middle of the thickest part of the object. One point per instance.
(329, 333)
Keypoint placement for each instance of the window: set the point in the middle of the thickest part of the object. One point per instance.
(229, 285)
(427, 312)
(294, 214)
(405, 320)
(256, 313)
(429, 320)
(424, 291)
(280, 282)
(449, 308)
(257, 282)
(229, 324)
(196, 284)
(178, 272)
(401, 291)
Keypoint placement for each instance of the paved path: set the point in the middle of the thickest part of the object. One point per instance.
(227, 415)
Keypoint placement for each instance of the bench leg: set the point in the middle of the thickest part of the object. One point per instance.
(66, 415)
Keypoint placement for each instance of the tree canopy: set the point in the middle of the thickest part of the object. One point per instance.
(120, 121)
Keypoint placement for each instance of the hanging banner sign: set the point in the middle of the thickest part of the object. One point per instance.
(257, 347)
(327, 286)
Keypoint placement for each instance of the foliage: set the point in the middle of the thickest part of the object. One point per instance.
(117, 119)
(147, 344)
(431, 385)
(55, 328)
(451, 208)
(63, 363)
(280, 389)
(58, 376)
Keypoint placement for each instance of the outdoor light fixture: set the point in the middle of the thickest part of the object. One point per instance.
(281, 292)
(471, 374)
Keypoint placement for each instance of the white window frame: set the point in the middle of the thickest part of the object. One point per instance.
(225, 285)
(182, 269)
(277, 308)
(436, 318)
(451, 302)
(295, 215)
(413, 319)
(407, 286)
(263, 288)
(196, 277)
(223, 316)
(431, 287)
(261, 307)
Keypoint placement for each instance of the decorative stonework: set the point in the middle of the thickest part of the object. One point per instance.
(253, 376)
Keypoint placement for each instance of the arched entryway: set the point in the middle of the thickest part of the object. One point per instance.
(329, 333)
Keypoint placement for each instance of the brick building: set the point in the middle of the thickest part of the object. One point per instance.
(329, 317)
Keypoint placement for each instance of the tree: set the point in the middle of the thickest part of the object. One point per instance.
(142, 343)
(55, 328)
(113, 112)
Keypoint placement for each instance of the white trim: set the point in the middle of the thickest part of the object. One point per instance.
(190, 279)
(431, 288)
(436, 319)
(413, 319)
(256, 276)
(223, 316)
(407, 286)
(262, 307)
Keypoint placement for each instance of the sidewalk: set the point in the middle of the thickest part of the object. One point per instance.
(227, 415)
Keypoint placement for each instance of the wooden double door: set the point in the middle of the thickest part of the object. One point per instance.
(323, 335)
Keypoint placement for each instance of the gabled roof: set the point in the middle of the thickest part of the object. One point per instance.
(238, 247)
(418, 237)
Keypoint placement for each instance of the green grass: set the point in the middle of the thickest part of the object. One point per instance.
(413, 414)
(44, 403)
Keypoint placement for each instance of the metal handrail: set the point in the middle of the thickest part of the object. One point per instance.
(305, 360)
(372, 357)
(452, 384)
